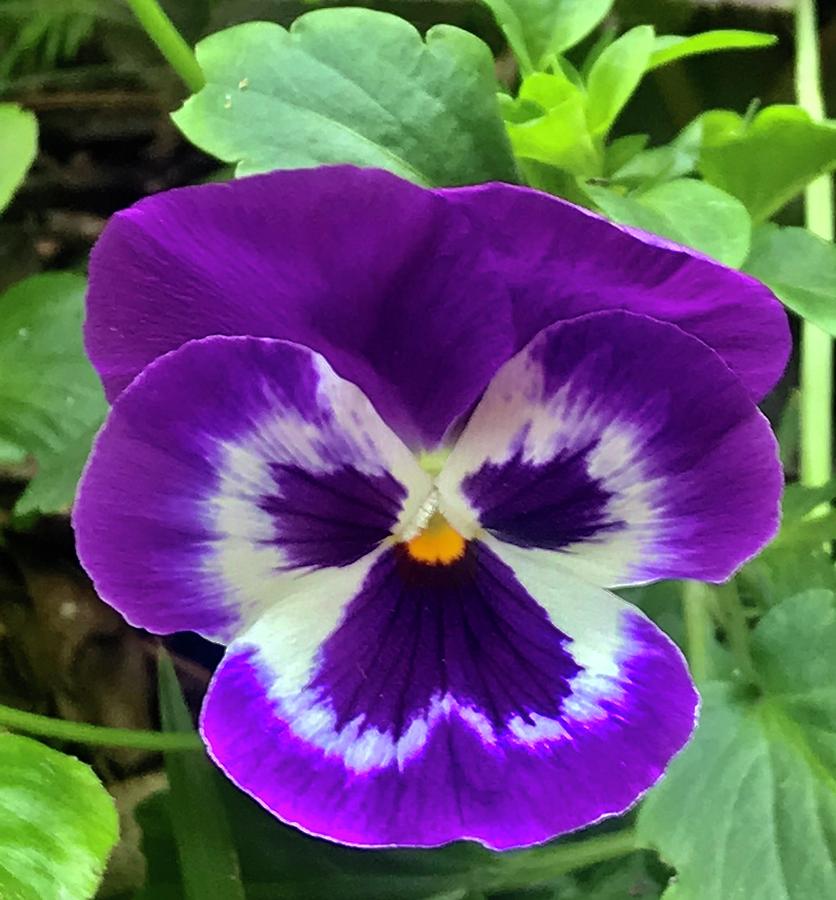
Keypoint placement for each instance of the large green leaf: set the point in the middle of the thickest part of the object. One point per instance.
(671, 47)
(538, 29)
(748, 809)
(18, 146)
(51, 401)
(767, 161)
(57, 823)
(351, 86)
(688, 211)
(800, 268)
(615, 75)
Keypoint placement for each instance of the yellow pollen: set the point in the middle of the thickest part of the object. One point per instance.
(439, 544)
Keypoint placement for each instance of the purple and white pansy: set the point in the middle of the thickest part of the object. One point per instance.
(393, 446)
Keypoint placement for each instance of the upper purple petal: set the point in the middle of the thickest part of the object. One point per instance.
(384, 278)
(561, 261)
(417, 296)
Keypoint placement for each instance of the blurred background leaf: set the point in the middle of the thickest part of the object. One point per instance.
(18, 146)
(57, 823)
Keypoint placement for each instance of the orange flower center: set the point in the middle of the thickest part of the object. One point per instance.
(439, 544)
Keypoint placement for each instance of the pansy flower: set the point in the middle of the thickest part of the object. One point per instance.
(393, 447)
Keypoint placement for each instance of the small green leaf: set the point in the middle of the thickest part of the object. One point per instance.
(800, 268)
(351, 86)
(688, 211)
(748, 809)
(558, 136)
(205, 846)
(620, 151)
(799, 500)
(615, 75)
(53, 488)
(51, 401)
(57, 823)
(538, 29)
(670, 47)
(673, 160)
(768, 161)
(18, 147)
(11, 454)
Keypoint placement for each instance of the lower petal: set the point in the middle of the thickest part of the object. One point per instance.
(485, 699)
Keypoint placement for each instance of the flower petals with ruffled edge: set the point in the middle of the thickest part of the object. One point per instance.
(384, 278)
(412, 704)
(225, 470)
(560, 261)
(622, 448)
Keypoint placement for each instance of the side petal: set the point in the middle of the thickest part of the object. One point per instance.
(623, 448)
(561, 261)
(445, 702)
(227, 469)
(382, 277)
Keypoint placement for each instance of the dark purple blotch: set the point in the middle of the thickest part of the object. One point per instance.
(330, 518)
(550, 505)
(417, 632)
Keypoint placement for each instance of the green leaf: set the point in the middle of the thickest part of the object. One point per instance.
(800, 268)
(51, 401)
(53, 488)
(538, 29)
(205, 846)
(767, 161)
(57, 823)
(629, 878)
(688, 211)
(670, 47)
(673, 160)
(351, 86)
(799, 500)
(615, 75)
(748, 809)
(620, 151)
(18, 147)
(558, 135)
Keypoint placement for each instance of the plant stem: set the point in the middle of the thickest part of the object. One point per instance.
(178, 54)
(528, 868)
(816, 346)
(737, 630)
(695, 610)
(82, 733)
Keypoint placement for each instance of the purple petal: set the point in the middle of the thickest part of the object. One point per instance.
(561, 261)
(625, 449)
(384, 278)
(446, 702)
(225, 470)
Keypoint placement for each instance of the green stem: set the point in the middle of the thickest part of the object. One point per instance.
(82, 733)
(816, 375)
(178, 54)
(528, 868)
(737, 630)
(696, 599)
